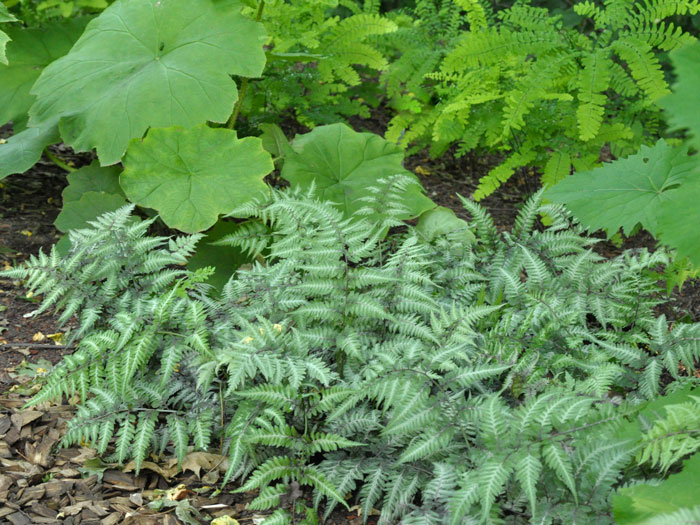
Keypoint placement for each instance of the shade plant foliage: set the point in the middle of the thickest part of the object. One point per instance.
(442, 377)
(140, 66)
(147, 79)
(657, 187)
(445, 372)
(546, 88)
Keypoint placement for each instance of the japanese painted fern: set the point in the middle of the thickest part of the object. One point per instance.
(443, 382)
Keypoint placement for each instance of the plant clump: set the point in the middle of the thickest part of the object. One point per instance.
(460, 375)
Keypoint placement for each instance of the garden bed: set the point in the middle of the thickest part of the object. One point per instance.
(42, 484)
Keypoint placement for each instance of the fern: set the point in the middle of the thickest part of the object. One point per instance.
(527, 83)
(593, 81)
(674, 436)
(316, 58)
(444, 380)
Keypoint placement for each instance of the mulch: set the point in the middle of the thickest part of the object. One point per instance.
(42, 483)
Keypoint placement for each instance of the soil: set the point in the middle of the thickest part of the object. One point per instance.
(36, 483)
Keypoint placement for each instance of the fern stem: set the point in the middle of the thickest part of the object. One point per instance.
(58, 162)
(221, 416)
(165, 332)
(244, 85)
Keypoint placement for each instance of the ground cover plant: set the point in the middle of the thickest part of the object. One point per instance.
(442, 376)
(547, 89)
(346, 341)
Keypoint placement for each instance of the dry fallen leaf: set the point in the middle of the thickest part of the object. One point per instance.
(136, 499)
(168, 470)
(224, 520)
(196, 461)
(21, 419)
(56, 338)
(177, 493)
(358, 509)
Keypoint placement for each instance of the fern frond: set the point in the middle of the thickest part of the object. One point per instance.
(593, 81)
(674, 436)
(493, 475)
(558, 460)
(500, 174)
(488, 47)
(643, 65)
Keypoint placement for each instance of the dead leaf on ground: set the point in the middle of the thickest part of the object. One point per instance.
(196, 461)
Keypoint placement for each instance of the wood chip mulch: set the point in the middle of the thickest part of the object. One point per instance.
(42, 483)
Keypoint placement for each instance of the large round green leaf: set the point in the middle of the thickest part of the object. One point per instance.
(148, 63)
(92, 204)
(629, 191)
(92, 178)
(343, 163)
(191, 176)
(91, 192)
(29, 52)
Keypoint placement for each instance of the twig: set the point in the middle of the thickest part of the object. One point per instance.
(36, 345)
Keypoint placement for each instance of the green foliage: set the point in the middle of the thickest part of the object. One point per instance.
(674, 436)
(419, 45)
(212, 173)
(5, 16)
(40, 12)
(140, 65)
(441, 221)
(444, 378)
(225, 259)
(678, 272)
(154, 67)
(137, 65)
(657, 187)
(318, 60)
(23, 150)
(319, 54)
(653, 503)
(681, 107)
(67, 8)
(547, 89)
(91, 192)
(29, 52)
(341, 164)
(627, 192)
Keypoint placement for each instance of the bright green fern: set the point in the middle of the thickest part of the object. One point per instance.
(541, 89)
